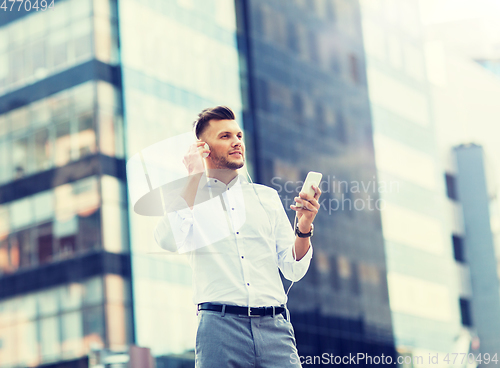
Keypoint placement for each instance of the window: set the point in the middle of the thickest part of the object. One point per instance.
(93, 294)
(44, 243)
(82, 46)
(43, 150)
(48, 302)
(320, 117)
(107, 134)
(38, 54)
(86, 139)
(49, 339)
(354, 68)
(58, 48)
(40, 113)
(27, 338)
(16, 66)
(63, 144)
(20, 157)
(302, 40)
(72, 334)
(5, 170)
(20, 249)
(4, 256)
(355, 285)
(83, 97)
(71, 297)
(298, 106)
(334, 61)
(19, 119)
(65, 231)
(313, 46)
(458, 248)
(334, 273)
(451, 186)
(262, 94)
(344, 267)
(8, 346)
(3, 125)
(465, 312)
(93, 326)
(90, 231)
(330, 10)
(266, 21)
(60, 106)
(340, 127)
(293, 42)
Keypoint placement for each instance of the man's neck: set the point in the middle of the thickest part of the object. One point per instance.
(224, 175)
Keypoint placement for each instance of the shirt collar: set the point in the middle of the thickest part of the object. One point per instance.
(216, 183)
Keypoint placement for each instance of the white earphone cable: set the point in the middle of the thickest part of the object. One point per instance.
(294, 224)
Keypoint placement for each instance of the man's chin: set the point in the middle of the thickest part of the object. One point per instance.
(234, 165)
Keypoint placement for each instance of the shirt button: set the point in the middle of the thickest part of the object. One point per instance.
(232, 209)
(242, 257)
(215, 181)
(237, 232)
(248, 283)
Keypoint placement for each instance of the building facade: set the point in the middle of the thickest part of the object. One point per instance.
(308, 103)
(88, 85)
(420, 223)
(477, 191)
(64, 250)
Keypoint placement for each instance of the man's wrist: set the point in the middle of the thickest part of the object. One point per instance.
(305, 228)
(304, 234)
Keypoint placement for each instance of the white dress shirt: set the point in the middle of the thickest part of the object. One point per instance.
(235, 243)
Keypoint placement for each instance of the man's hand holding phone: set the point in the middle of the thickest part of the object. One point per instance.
(309, 209)
(307, 204)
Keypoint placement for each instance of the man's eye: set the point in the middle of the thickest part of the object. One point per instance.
(224, 136)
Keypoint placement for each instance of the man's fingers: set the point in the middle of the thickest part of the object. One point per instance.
(317, 192)
(307, 205)
(307, 198)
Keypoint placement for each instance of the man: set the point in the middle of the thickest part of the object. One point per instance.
(237, 236)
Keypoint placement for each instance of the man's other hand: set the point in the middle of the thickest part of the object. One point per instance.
(309, 209)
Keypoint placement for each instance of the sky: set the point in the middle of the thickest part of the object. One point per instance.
(472, 26)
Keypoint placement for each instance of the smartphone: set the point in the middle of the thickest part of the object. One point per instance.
(312, 178)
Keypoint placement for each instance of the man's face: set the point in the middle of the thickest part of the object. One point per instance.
(225, 139)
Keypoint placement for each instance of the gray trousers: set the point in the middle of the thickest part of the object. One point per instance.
(234, 341)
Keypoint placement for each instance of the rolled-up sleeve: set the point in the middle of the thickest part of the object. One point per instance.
(173, 229)
(285, 244)
(186, 229)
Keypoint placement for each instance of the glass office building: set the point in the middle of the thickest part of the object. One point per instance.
(64, 263)
(420, 224)
(309, 109)
(478, 193)
(88, 85)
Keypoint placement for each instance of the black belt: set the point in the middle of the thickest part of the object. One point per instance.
(246, 311)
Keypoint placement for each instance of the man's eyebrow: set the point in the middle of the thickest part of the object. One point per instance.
(239, 132)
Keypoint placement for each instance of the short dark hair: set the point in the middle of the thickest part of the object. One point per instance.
(212, 113)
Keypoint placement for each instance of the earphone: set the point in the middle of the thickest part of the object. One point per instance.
(207, 147)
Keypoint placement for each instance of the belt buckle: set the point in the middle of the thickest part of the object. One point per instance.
(250, 313)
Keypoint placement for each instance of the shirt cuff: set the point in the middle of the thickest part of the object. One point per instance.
(307, 257)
